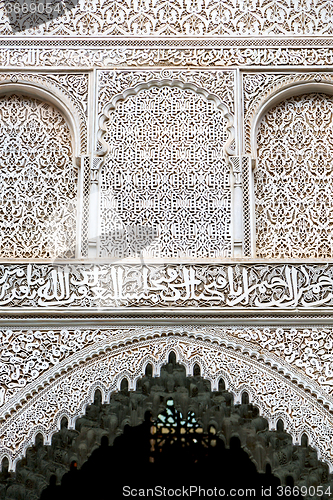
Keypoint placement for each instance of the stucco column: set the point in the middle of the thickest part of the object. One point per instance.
(94, 208)
(237, 207)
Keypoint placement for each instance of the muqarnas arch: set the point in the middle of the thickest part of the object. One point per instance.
(209, 423)
(67, 389)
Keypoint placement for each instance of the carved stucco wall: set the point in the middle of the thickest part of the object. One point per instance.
(38, 181)
(50, 374)
(293, 179)
(209, 18)
(30, 359)
(68, 387)
(55, 318)
(165, 188)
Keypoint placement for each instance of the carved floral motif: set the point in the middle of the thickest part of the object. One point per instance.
(37, 207)
(68, 395)
(27, 355)
(219, 83)
(293, 179)
(186, 18)
(165, 188)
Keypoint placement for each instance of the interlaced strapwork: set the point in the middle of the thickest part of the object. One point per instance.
(165, 182)
(38, 181)
(294, 179)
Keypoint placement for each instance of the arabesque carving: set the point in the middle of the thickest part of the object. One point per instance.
(258, 88)
(28, 356)
(293, 179)
(71, 89)
(217, 83)
(128, 18)
(69, 394)
(148, 207)
(38, 208)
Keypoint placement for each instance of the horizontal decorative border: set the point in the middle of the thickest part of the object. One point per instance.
(180, 41)
(257, 286)
(160, 18)
(226, 56)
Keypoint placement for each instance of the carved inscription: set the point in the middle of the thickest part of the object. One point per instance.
(164, 56)
(247, 286)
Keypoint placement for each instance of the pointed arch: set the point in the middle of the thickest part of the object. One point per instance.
(71, 392)
(165, 176)
(214, 412)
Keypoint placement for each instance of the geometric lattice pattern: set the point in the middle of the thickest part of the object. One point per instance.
(165, 184)
(38, 181)
(294, 179)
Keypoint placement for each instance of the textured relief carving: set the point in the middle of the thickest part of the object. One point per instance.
(308, 350)
(293, 179)
(126, 17)
(258, 88)
(165, 181)
(257, 286)
(70, 89)
(31, 356)
(275, 397)
(166, 397)
(219, 83)
(38, 180)
(230, 56)
(26, 355)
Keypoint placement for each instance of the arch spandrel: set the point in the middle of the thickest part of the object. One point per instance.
(69, 394)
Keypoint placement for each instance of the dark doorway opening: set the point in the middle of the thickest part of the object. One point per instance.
(165, 457)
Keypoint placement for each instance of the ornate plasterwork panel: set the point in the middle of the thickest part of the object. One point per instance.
(259, 87)
(226, 56)
(31, 357)
(127, 17)
(293, 179)
(68, 394)
(219, 83)
(70, 89)
(246, 286)
(165, 188)
(38, 181)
